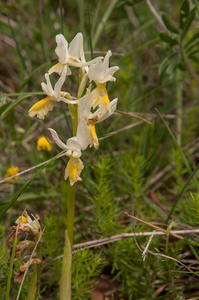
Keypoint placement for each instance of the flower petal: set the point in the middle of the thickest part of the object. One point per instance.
(98, 114)
(58, 68)
(93, 137)
(62, 48)
(83, 134)
(47, 88)
(73, 170)
(41, 108)
(79, 65)
(113, 105)
(109, 73)
(85, 106)
(73, 147)
(57, 139)
(75, 45)
(100, 72)
(59, 83)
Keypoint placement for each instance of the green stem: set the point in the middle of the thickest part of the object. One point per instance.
(70, 212)
(65, 282)
(34, 283)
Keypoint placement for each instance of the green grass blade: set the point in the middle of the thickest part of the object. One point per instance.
(180, 150)
(17, 102)
(61, 17)
(43, 44)
(103, 21)
(31, 75)
(18, 48)
(91, 46)
(197, 5)
(180, 194)
(11, 268)
(26, 184)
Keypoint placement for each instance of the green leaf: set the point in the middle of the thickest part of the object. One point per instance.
(181, 66)
(4, 106)
(166, 38)
(197, 5)
(172, 66)
(169, 23)
(190, 48)
(164, 64)
(192, 39)
(184, 12)
(194, 58)
(188, 22)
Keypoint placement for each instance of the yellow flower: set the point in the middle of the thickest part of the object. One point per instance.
(12, 171)
(43, 144)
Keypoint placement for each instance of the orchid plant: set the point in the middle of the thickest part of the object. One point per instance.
(89, 107)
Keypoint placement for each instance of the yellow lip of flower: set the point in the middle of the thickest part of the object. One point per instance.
(94, 139)
(41, 108)
(43, 144)
(100, 96)
(73, 170)
(12, 171)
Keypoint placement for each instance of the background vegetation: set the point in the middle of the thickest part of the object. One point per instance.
(143, 169)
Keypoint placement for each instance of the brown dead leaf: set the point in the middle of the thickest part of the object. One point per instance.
(11, 237)
(32, 261)
(18, 278)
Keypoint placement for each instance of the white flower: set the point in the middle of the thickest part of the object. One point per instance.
(100, 73)
(72, 55)
(73, 149)
(42, 107)
(99, 115)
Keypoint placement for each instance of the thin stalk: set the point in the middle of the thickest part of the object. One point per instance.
(91, 45)
(61, 16)
(193, 251)
(42, 33)
(179, 107)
